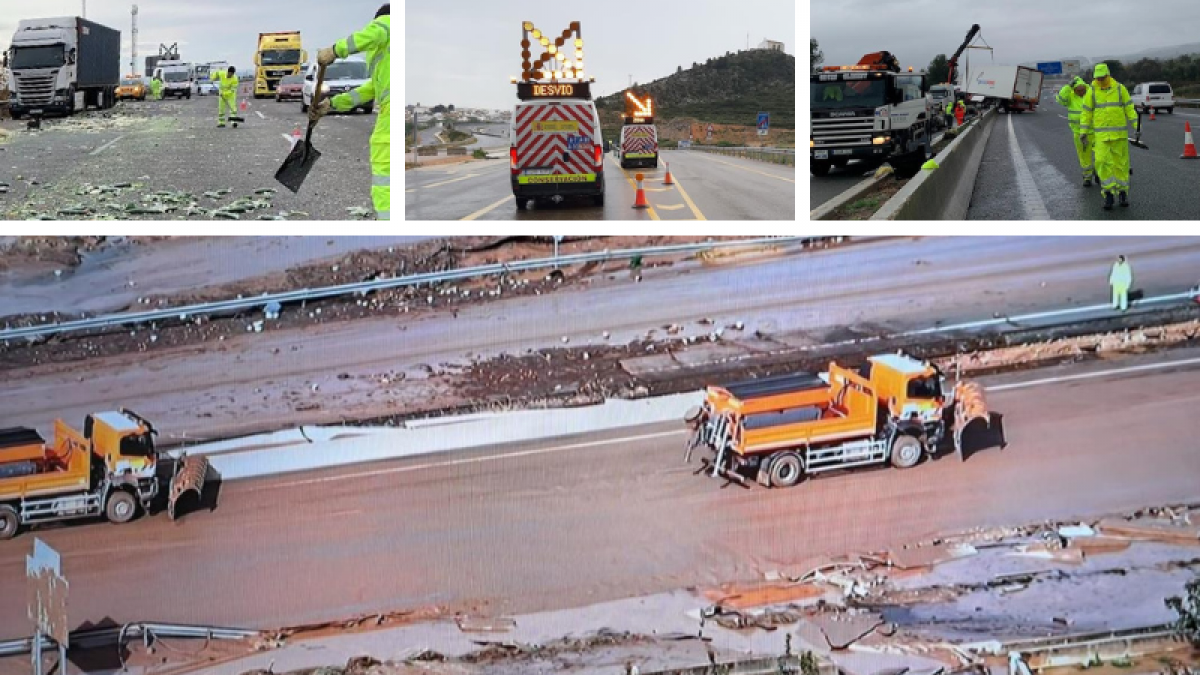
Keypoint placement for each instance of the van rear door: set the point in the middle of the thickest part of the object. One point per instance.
(555, 142)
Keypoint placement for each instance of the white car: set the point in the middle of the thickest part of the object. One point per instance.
(1154, 96)
(208, 88)
(340, 76)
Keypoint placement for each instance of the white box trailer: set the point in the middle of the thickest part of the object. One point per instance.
(1013, 88)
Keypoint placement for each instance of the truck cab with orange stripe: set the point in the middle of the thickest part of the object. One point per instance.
(556, 150)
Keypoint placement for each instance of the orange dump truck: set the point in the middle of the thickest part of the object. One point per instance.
(779, 429)
(109, 469)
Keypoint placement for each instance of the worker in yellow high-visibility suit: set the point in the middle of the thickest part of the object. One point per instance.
(1107, 111)
(1121, 279)
(155, 89)
(227, 86)
(1071, 97)
(375, 41)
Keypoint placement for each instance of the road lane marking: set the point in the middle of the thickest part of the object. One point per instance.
(691, 204)
(477, 460)
(452, 180)
(485, 209)
(745, 168)
(1088, 376)
(1035, 208)
(672, 207)
(260, 115)
(970, 325)
(105, 146)
(410, 191)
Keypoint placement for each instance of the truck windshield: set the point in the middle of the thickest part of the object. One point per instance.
(280, 57)
(346, 70)
(853, 94)
(176, 77)
(37, 57)
(925, 388)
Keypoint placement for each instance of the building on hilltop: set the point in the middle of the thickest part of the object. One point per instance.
(770, 44)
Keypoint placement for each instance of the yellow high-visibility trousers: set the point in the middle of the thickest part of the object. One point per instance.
(1085, 158)
(1112, 165)
(381, 164)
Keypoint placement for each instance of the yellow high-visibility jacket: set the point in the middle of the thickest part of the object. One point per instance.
(1107, 112)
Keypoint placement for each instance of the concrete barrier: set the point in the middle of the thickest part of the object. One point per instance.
(824, 211)
(944, 193)
(450, 152)
(427, 152)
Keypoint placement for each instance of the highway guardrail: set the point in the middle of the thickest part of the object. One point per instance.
(183, 313)
(786, 156)
(92, 638)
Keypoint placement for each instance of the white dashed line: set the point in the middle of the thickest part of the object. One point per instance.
(1035, 208)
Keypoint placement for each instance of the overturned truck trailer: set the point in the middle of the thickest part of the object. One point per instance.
(777, 430)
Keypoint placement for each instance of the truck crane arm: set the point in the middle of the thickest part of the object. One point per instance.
(961, 48)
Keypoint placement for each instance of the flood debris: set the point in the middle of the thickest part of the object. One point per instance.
(1152, 529)
(469, 624)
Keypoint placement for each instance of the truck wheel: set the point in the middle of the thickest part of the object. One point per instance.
(122, 507)
(786, 470)
(598, 200)
(9, 522)
(906, 452)
(819, 168)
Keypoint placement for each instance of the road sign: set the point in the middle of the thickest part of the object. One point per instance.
(1051, 67)
(763, 123)
(47, 593)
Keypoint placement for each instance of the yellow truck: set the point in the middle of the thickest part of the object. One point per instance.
(111, 468)
(278, 55)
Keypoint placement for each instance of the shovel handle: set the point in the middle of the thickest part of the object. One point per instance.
(317, 96)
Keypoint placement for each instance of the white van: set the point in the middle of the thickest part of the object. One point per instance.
(1154, 96)
(340, 77)
(556, 150)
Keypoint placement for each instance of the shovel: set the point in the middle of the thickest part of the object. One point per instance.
(1137, 140)
(303, 155)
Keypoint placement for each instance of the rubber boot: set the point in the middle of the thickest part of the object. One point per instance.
(1087, 182)
(1108, 201)
(1124, 199)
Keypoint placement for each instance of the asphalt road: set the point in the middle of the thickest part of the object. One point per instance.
(262, 380)
(1162, 187)
(708, 187)
(175, 145)
(838, 180)
(582, 520)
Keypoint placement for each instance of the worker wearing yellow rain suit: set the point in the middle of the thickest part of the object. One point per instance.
(1071, 97)
(156, 87)
(375, 41)
(1107, 110)
(227, 86)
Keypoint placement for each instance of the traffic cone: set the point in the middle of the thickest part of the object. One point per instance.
(639, 202)
(667, 180)
(1152, 117)
(244, 106)
(1189, 145)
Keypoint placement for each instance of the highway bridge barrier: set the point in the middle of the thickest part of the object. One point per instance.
(944, 193)
(785, 156)
(450, 152)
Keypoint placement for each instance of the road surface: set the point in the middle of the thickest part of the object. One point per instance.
(1162, 187)
(175, 146)
(707, 187)
(205, 390)
(581, 520)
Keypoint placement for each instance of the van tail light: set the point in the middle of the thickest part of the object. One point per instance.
(512, 159)
(599, 153)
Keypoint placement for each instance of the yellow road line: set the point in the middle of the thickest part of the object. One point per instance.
(691, 204)
(739, 166)
(485, 209)
(410, 191)
(633, 184)
(672, 207)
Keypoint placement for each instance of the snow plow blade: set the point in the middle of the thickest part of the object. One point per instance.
(969, 406)
(190, 474)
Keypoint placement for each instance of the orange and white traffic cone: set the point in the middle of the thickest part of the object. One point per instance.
(1152, 117)
(1189, 145)
(667, 180)
(639, 202)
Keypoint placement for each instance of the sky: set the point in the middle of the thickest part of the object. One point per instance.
(206, 30)
(463, 52)
(1018, 30)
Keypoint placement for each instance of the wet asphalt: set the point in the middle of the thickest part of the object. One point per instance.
(174, 148)
(1162, 187)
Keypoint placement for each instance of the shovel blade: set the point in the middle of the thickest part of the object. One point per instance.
(297, 165)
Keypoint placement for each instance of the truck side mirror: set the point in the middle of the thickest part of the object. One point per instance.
(895, 97)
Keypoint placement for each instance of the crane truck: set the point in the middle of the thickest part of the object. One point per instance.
(780, 429)
(109, 469)
(868, 111)
(61, 65)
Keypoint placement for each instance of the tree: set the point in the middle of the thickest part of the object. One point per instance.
(1187, 625)
(938, 70)
(816, 56)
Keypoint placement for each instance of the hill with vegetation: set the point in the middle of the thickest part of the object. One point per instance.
(729, 89)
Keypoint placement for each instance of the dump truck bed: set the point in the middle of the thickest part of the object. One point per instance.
(21, 444)
(770, 386)
(66, 468)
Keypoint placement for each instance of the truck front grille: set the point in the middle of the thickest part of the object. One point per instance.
(842, 132)
(36, 89)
